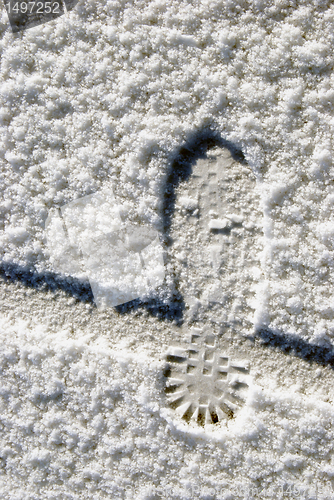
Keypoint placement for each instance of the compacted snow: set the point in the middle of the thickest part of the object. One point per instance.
(211, 122)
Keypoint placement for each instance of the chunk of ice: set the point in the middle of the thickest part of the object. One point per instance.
(122, 261)
(64, 257)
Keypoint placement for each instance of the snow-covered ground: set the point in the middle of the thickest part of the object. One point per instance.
(146, 98)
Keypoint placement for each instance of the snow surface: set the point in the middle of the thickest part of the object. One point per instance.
(110, 95)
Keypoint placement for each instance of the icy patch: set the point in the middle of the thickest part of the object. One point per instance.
(89, 239)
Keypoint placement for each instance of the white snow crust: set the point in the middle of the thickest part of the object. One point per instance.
(106, 97)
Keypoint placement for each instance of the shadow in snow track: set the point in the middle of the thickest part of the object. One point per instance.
(293, 346)
(46, 281)
(81, 291)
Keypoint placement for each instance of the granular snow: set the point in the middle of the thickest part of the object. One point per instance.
(114, 94)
